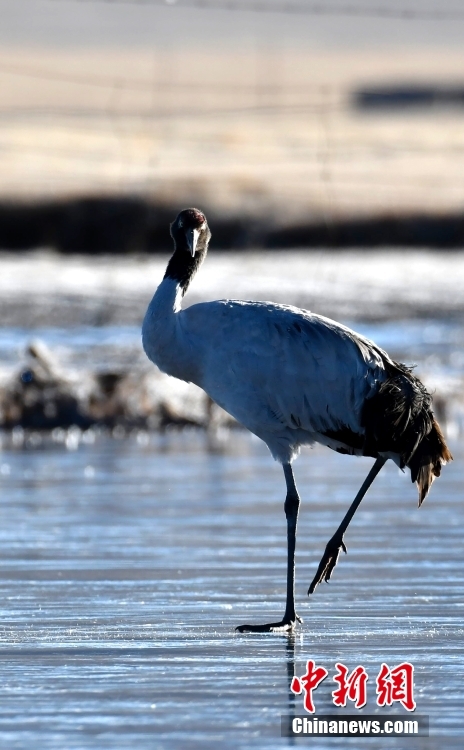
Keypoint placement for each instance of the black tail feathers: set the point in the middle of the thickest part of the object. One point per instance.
(431, 453)
(399, 420)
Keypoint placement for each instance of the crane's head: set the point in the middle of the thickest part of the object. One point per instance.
(191, 235)
(190, 231)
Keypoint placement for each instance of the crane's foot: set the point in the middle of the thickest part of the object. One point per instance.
(287, 625)
(328, 562)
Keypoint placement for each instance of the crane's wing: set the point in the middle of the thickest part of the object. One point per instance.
(274, 366)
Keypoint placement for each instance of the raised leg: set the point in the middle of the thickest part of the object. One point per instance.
(288, 622)
(336, 544)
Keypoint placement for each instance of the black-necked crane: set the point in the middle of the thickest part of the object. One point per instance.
(292, 378)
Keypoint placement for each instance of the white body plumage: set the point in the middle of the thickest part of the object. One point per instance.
(289, 376)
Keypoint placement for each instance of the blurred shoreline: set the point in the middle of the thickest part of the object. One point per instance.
(96, 225)
(70, 345)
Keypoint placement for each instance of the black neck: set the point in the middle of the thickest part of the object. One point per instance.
(182, 267)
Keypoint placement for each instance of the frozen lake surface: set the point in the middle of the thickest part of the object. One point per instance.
(124, 568)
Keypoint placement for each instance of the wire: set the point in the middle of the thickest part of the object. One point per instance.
(168, 113)
(145, 85)
(298, 8)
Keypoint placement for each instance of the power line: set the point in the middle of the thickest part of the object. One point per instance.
(167, 113)
(342, 150)
(298, 8)
(146, 85)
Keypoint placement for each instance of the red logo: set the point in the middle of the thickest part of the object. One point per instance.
(396, 684)
(309, 682)
(352, 687)
(392, 685)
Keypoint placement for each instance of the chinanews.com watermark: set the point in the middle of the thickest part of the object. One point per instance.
(350, 725)
(393, 685)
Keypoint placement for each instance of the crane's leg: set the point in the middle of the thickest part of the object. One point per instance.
(336, 544)
(288, 622)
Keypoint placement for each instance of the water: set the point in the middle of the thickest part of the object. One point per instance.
(124, 568)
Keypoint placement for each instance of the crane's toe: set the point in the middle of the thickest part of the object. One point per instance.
(328, 562)
(286, 625)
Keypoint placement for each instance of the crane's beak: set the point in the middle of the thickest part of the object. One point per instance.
(192, 239)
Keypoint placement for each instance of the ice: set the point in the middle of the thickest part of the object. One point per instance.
(121, 587)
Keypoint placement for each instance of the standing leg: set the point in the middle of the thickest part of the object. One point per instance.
(292, 504)
(336, 544)
(291, 507)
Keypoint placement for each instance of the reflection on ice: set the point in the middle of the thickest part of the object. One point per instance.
(125, 567)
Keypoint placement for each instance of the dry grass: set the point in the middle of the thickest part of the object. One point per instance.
(260, 131)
